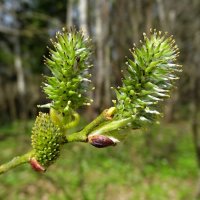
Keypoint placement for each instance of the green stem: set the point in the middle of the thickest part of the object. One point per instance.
(114, 125)
(16, 161)
(74, 122)
(81, 136)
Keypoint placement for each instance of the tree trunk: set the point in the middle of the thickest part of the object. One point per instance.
(99, 55)
(135, 19)
(162, 15)
(83, 11)
(107, 99)
(20, 78)
(10, 93)
(107, 64)
(169, 108)
(149, 11)
(103, 79)
(69, 13)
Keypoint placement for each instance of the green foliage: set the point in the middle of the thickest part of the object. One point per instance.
(148, 79)
(46, 140)
(69, 65)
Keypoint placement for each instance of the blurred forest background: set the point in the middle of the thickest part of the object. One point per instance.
(159, 164)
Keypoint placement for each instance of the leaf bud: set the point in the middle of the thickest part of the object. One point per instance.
(101, 141)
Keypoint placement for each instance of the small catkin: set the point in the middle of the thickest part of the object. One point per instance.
(46, 140)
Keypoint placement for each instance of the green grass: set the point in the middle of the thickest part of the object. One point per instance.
(156, 166)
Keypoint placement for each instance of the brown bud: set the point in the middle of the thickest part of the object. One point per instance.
(101, 141)
(36, 165)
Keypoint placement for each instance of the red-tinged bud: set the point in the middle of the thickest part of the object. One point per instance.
(101, 141)
(36, 165)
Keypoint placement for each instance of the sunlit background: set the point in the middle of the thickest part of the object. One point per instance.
(160, 163)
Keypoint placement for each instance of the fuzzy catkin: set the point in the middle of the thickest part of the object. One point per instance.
(46, 140)
(148, 79)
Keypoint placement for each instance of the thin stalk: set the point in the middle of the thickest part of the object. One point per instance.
(74, 122)
(16, 161)
(81, 136)
(114, 125)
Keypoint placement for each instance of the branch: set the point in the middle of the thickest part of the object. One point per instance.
(74, 122)
(81, 136)
(16, 161)
(112, 126)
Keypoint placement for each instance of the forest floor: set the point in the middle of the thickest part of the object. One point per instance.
(156, 165)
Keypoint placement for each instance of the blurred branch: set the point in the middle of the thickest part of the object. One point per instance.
(16, 161)
(82, 135)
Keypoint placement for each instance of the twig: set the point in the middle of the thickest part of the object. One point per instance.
(80, 136)
(16, 161)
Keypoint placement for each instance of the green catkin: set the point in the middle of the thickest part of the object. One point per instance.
(69, 65)
(46, 140)
(148, 79)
